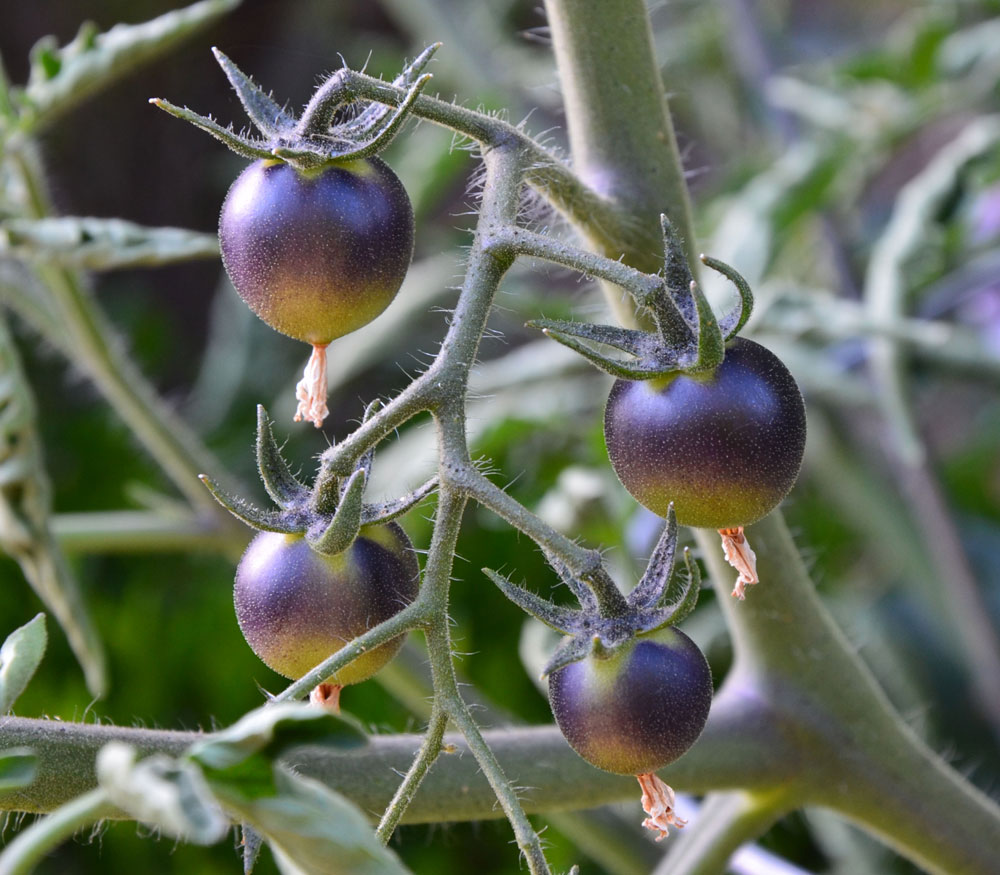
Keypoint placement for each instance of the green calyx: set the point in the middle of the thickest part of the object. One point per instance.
(688, 336)
(330, 513)
(606, 619)
(322, 135)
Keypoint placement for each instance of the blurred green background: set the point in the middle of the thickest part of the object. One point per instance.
(800, 123)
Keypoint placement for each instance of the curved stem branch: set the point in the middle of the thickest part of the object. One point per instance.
(428, 753)
(581, 561)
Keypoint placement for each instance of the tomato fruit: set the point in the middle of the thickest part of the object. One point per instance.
(725, 447)
(636, 708)
(317, 255)
(296, 607)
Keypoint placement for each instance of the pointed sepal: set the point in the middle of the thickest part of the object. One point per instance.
(252, 842)
(375, 112)
(567, 333)
(681, 599)
(677, 272)
(278, 480)
(656, 579)
(339, 533)
(570, 650)
(385, 130)
(263, 111)
(732, 323)
(252, 148)
(584, 595)
(711, 345)
(262, 520)
(385, 511)
(637, 343)
(554, 616)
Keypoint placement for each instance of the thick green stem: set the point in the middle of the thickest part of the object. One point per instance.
(830, 715)
(725, 822)
(455, 790)
(620, 131)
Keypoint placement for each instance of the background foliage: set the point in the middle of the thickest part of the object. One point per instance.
(801, 128)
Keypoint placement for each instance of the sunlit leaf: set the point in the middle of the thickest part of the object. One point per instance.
(62, 77)
(311, 829)
(101, 244)
(20, 656)
(168, 793)
(272, 729)
(18, 767)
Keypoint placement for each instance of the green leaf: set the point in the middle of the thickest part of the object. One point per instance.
(101, 244)
(311, 829)
(63, 77)
(168, 793)
(20, 656)
(18, 767)
(272, 729)
(24, 516)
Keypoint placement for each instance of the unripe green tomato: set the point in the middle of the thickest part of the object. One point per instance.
(317, 255)
(725, 447)
(638, 708)
(296, 607)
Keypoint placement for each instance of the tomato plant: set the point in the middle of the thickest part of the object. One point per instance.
(514, 473)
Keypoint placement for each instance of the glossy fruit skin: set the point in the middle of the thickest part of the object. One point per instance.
(638, 709)
(296, 607)
(317, 255)
(725, 448)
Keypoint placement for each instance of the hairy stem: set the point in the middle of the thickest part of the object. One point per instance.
(454, 791)
(620, 131)
(430, 747)
(828, 711)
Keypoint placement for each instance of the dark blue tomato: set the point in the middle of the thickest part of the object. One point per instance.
(635, 709)
(317, 255)
(725, 447)
(296, 607)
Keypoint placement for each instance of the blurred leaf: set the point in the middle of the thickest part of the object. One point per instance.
(101, 244)
(160, 790)
(20, 656)
(24, 516)
(62, 77)
(311, 829)
(18, 767)
(24, 293)
(272, 729)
